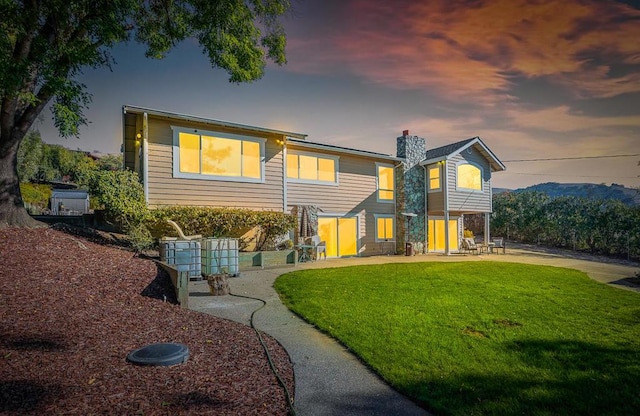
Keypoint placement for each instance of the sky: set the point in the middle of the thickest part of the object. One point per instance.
(534, 79)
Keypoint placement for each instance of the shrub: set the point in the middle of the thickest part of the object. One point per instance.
(222, 223)
(122, 196)
(36, 194)
(140, 238)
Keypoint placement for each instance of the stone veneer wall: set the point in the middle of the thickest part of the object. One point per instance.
(411, 192)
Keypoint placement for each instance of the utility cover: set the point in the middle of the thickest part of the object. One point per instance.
(163, 354)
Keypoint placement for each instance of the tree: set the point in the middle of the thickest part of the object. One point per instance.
(30, 156)
(45, 44)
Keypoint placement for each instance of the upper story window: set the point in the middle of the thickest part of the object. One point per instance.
(386, 182)
(307, 167)
(434, 178)
(469, 177)
(385, 229)
(209, 155)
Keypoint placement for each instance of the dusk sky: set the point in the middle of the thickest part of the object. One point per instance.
(535, 79)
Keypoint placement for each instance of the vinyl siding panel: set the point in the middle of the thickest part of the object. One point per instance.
(435, 199)
(164, 189)
(355, 195)
(463, 200)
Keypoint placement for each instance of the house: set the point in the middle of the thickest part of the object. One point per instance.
(355, 198)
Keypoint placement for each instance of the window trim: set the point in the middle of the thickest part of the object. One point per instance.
(459, 188)
(393, 228)
(201, 176)
(439, 188)
(393, 170)
(336, 164)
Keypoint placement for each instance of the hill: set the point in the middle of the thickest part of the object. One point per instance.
(628, 196)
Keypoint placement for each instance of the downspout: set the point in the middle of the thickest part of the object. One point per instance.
(487, 215)
(445, 176)
(426, 216)
(145, 156)
(284, 176)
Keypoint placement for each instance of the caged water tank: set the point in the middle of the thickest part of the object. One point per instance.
(185, 255)
(220, 255)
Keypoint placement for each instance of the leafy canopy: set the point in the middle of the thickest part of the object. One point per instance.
(44, 44)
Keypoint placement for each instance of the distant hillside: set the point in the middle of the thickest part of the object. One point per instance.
(629, 196)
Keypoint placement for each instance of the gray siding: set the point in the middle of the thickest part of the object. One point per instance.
(435, 199)
(466, 200)
(164, 189)
(354, 195)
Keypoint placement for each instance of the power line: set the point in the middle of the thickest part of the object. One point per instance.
(570, 158)
(572, 176)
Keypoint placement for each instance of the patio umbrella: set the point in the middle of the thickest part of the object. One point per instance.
(306, 228)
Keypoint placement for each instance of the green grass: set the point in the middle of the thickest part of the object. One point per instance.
(484, 337)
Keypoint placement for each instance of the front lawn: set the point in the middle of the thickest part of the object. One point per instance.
(483, 337)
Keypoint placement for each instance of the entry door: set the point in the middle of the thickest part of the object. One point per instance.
(340, 234)
(437, 235)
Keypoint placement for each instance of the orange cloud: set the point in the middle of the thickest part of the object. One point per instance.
(473, 52)
(561, 120)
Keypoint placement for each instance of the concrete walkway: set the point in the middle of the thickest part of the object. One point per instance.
(330, 380)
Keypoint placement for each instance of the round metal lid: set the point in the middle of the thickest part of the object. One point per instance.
(163, 354)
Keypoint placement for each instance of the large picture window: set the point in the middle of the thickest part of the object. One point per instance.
(386, 182)
(305, 167)
(211, 155)
(469, 177)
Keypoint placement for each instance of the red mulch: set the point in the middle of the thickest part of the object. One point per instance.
(70, 312)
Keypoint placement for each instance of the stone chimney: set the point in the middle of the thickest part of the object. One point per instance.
(410, 193)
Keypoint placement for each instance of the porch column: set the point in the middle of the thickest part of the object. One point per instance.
(447, 249)
(487, 236)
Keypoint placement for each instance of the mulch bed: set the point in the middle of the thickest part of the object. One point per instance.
(70, 312)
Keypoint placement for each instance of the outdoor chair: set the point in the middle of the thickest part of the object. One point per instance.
(319, 247)
(499, 243)
(469, 245)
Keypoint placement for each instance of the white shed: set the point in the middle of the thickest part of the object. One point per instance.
(69, 202)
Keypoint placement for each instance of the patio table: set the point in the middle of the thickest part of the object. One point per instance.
(304, 252)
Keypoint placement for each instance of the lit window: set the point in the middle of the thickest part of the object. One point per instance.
(384, 228)
(208, 155)
(434, 178)
(386, 183)
(469, 177)
(312, 168)
(189, 153)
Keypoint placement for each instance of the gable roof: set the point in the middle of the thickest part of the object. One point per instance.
(446, 152)
(184, 117)
(340, 149)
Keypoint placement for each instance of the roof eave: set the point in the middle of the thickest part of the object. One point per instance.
(494, 162)
(185, 117)
(337, 149)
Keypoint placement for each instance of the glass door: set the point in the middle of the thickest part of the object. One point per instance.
(437, 236)
(340, 234)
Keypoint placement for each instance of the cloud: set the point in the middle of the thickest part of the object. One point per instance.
(562, 120)
(474, 50)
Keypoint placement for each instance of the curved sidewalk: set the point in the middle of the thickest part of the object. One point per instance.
(330, 380)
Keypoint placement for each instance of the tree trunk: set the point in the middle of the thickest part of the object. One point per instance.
(12, 211)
